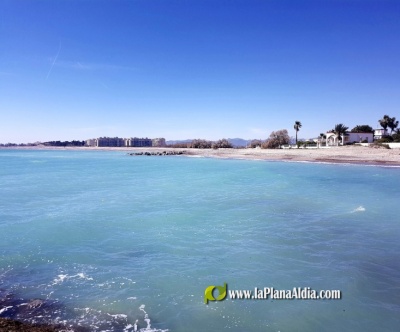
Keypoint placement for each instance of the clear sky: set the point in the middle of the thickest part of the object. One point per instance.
(195, 68)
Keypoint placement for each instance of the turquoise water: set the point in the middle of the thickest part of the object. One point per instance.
(106, 240)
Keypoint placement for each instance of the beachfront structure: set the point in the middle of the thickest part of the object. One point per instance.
(158, 142)
(119, 142)
(138, 142)
(348, 137)
(109, 141)
(90, 142)
(105, 142)
(379, 133)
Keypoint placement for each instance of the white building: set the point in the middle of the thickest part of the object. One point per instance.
(105, 141)
(90, 142)
(159, 142)
(138, 142)
(379, 133)
(118, 142)
(348, 137)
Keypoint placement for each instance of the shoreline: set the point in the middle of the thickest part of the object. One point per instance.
(333, 155)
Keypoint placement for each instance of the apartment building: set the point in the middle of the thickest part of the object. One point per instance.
(138, 142)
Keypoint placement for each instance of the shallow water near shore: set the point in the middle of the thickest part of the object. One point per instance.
(106, 241)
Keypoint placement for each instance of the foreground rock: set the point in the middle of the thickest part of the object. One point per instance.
(8, 325)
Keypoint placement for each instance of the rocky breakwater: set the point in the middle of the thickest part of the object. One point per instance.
(158, 153)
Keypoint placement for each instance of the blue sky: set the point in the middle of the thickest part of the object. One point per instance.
(195, 68)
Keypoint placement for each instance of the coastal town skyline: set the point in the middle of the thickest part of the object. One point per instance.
(180, 70)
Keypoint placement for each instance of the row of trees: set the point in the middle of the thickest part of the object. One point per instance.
(64, 143)
(275, 140)
(49, 143)
(204, 144)
(362, 129)
(391, 123)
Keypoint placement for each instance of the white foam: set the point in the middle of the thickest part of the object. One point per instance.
(359, 209)
(148, 322)
(82, 276)
(116, 316)
(146, 317)
(62, 277)
(128, 327)
(93, 316)
(5, 309)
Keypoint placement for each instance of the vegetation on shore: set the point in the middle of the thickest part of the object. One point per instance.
(275, 141)
(204, 144)
(388, 122)
(362, 129)
(65, 143)
(391, 123)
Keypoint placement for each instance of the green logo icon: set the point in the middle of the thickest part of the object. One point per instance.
(209, 296)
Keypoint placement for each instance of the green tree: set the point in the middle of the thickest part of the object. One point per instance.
(340, 129)
(392, 124)
(322, 137)
(362, 129)
(297, 126)
(396, 137)
(201, 144)
(255, 143)
(222, 143)
(276, 139)
(384, 121)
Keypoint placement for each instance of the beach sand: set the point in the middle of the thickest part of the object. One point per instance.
(343, 154)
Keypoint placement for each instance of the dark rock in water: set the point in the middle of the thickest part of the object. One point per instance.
(8, 325)
(35, 304)
(36, 315)
(164, 153)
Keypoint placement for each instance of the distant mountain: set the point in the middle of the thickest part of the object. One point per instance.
(179, 141)
(239, 142)
(236, 142)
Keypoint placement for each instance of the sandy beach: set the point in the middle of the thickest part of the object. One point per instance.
(342, 154)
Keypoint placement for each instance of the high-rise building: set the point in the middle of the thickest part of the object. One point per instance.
(138, 142)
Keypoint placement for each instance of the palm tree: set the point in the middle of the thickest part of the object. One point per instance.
(297, 126)
(384, 122)
(392, 124)
(339, 130)
(322, 138)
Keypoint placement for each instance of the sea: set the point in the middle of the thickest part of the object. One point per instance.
(105, 241)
